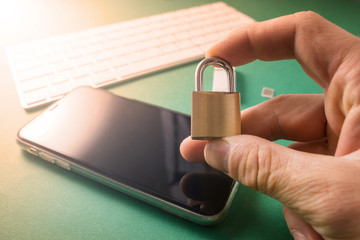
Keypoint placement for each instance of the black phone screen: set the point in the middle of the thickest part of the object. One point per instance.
(133, 143)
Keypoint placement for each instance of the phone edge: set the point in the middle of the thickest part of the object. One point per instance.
(135, 193)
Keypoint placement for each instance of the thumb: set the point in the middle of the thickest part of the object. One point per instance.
(280, 172)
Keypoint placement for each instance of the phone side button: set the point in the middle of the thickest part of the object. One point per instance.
(47, 157)
(62, 164)
(33, 151)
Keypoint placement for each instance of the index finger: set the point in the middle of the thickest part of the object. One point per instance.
(302, 36)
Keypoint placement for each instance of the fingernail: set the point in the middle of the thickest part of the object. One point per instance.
(217, 154)
(298, 235)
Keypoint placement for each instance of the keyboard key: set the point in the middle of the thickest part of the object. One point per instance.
(28, 65)
(58, 90)
(103, 56)
(83, 81)
(55, 58)
(93, 49)
(59, 78)
(80, 72)
(34, 84)
(102, 78)
(119, 62)
(82, 61)
(33, 73)
(151, 52)
(62, 66)
(99, 67)
(34, 97)
(169, 48)
(185, 44)
(74, 54)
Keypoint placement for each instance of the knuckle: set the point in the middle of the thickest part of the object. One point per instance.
(280, 99)
(307, 16)
(253, 166)
(309, 25)
(277, 131)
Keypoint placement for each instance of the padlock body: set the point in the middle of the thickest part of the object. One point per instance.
(215, 114)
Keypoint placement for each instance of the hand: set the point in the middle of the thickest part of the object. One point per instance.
(318, 177)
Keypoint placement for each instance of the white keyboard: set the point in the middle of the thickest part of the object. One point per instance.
(45, 70)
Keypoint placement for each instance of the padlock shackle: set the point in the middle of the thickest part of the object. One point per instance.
(199, 73)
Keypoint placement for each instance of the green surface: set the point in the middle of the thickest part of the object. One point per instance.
(41, 201)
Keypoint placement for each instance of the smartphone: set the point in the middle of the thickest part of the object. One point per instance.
(132, 147)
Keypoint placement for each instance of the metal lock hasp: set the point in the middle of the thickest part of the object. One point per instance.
(214, 114)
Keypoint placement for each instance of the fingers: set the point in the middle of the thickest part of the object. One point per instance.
(300, 229)
(343, 93)
(291, 117)
(298, 36)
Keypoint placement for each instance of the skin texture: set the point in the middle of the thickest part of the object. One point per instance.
(317, 178)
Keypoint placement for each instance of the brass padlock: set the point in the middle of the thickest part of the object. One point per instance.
(214, 114)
